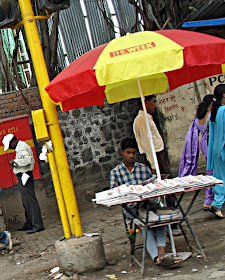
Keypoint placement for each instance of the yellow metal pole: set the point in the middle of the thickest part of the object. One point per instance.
(31, 30)
(59, 195)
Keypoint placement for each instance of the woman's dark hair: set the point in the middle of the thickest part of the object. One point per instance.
(128, 143)
(218, 94)
(204, 105)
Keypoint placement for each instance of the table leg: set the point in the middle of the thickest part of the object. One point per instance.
(145, 242)
(170, 234)
(187, 221)
(186, 238)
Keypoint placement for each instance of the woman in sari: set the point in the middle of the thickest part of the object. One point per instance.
(190, 155)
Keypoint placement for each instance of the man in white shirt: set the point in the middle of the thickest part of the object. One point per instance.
(23, 165)
(141, 135)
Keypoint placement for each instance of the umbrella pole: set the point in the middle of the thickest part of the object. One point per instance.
(155, 160)
(149, 131)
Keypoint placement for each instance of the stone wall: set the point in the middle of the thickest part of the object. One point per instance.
(92, 135)
(92, 138)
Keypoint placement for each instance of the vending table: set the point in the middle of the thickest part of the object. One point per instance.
(129, 195)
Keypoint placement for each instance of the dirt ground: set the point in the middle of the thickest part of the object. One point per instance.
(35, 256)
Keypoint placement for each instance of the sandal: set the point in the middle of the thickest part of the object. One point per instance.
(164, 260)
(217, 212)
(176, 263)
(207, 207)
(168, 261)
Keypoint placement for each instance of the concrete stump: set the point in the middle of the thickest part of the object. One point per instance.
(77, 255)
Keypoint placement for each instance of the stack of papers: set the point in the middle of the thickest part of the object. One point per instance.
(131, 193)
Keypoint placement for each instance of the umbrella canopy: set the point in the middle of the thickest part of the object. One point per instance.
(162, 60)
(135, 65)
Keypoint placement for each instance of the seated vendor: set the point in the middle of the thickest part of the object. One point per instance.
(133, 173)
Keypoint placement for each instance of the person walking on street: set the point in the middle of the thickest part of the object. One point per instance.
(216, 151)
(23, 166)
(190, 155)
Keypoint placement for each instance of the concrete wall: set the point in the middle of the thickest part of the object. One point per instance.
(178, 110)
(11, 203)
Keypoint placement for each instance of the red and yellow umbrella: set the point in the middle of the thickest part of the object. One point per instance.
(138, 64)
(161, 60)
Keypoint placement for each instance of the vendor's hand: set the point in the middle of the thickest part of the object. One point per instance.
(154, 171)
(11, 162)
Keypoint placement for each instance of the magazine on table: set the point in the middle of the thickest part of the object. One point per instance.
(152, 188)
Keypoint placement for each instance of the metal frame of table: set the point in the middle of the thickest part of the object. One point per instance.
(179, 222)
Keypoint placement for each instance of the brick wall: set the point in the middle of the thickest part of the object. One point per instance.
(18, 103)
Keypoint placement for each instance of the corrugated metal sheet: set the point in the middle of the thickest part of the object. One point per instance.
(75, 40)
(125, 13)
(209, 9)
(74, 32)
(101, 30)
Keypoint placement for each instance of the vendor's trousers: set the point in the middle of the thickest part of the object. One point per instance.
(155, 237)
(30, 203)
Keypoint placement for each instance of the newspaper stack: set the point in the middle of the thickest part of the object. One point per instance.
(148, 189)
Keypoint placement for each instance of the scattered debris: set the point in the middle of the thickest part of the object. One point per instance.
(54, 271)
(111, 276)
(58, 276)
(194, 270)
(21, 262)
(91, 234)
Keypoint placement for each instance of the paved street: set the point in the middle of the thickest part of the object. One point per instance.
(35, 256)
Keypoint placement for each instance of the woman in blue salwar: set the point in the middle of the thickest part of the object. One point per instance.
(216, 152)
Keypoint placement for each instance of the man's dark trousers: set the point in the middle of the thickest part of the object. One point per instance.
(30, 203)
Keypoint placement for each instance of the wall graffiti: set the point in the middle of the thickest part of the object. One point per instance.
(169, 105)
(213, 81)
(172, 117)
(170, 108)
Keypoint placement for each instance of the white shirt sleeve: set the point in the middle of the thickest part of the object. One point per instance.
(24, 159)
